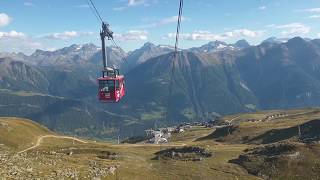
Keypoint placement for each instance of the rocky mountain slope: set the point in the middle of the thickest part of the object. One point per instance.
(64, 115)
(147, 51)
(207, 82)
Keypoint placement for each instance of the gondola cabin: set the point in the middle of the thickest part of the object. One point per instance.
(111, 86)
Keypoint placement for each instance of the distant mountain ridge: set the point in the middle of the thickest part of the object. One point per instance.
(90, 54)
(216, 46)
(17, 75)
(281, 75)
(82, 55)
(147, 51)
(214, 79)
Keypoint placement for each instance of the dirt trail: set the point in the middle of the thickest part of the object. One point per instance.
(150, 145)
(40, 139)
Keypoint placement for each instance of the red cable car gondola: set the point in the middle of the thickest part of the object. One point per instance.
(111, 84)
(111, 87)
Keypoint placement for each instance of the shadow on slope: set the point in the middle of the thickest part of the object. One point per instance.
(309, 131)
(306, 132)
(220, 133)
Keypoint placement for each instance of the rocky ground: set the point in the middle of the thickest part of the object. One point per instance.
(189, 153)
(50, 165)
(282, 160)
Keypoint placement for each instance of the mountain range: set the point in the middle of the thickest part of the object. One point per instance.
(58, 88)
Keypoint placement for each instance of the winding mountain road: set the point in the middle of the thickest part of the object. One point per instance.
(40, 139)
(230, 121)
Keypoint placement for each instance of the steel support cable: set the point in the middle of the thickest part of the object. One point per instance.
(99, 18)
(175, 57)
(178, 27)
(95, 9)
(97, 14)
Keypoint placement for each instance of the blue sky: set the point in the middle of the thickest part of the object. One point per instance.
(26, 25)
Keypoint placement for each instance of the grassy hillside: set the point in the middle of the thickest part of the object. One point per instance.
(19, 133)
(53, 158)
(250, 151)
(251, 128)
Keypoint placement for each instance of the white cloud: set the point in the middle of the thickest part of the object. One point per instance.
(12, 34)
(271, 26)
(312, 10)
(293, 29)
(246, 33)
(314, 16)
(262, 8)
(136, 2)
(4, 19)
(164, 21)
(66, 35)
(14, 41)
(132, 35)
(132, 3)
(209, 36)
(51, 49)
(172, 19)
(29, 4)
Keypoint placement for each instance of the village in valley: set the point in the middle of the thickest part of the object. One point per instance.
(163, 135)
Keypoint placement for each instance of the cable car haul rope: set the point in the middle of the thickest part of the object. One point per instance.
(178, 27)
(175, 58)
(111, 83)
